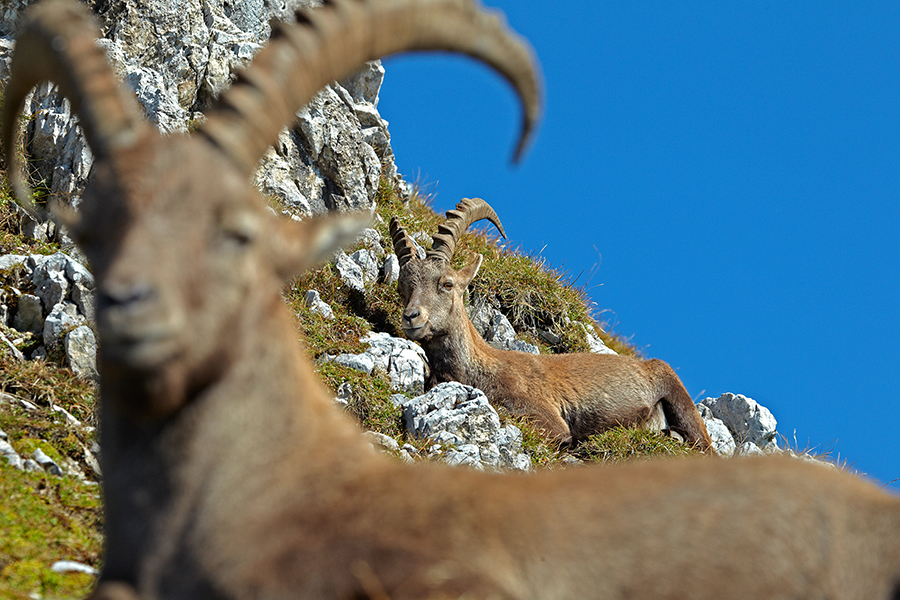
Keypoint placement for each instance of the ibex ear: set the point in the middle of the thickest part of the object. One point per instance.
(298, 246)
(467, 274)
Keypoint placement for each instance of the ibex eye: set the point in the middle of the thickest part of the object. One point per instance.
(238, 237)
(239, 229)
(448, 285)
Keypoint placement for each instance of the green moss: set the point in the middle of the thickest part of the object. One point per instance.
(45, 519)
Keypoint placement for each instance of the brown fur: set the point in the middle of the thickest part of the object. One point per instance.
(229, 473)
(569, 395)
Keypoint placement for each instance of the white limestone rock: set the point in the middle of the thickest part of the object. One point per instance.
(81, 352)
(747, 420)
(317, 305)
(465, 427)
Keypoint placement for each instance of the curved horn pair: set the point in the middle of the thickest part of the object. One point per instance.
(59, 44)
(467, 211)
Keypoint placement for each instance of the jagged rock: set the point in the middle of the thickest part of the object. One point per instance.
(594, 342)
(62, 319)
(522, 346)
(11, 262)
(747, 449)
(17, 354)
(368, 263)
(382, 442)
(317, 305)
(46, 463)
(29, 315)
(91, 458)
(418, 238)
(177, 56)
(287, 173)
(50, 282)
(389, 445)
(549, 337)
(360, 362)
(403, 361)
(390, 272)
(372, 240)
(722, 440)
(81, 352)
(82, 287)
(495, 328)
(460, 416)
(12, 457)
(7, 44)
(747, 420)
(344, 393)
(350, 272)
(334, 141)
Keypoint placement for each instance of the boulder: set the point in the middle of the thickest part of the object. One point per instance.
(746, 419)
(465, 428)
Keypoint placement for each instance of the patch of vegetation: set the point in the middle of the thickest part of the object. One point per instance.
(369, 398)
(45, 519)
(620, 444)
(47, 385)
(12, 240)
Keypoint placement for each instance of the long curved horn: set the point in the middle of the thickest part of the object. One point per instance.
(329, 42)
(458, 220)
(58, 44)
(403, 245)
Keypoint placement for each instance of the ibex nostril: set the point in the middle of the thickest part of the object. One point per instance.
(409, 315)
(124, 295)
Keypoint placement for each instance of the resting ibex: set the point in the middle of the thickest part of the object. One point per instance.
(229, 472)
(570, 396)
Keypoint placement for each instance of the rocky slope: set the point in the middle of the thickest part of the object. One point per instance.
(337, 156)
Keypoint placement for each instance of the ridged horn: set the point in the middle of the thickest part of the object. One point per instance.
(403, 245)
(458, 220)
(58, 44)
(329, 42)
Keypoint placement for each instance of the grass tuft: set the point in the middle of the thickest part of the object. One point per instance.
(621, 444)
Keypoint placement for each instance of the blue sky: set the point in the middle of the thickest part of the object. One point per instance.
(723, 178)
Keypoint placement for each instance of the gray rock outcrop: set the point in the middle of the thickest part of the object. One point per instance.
(317, 305)
(59, 309)
(465, 428)
(177, 57)
(402, 360)
(495, 328)
(746, 419)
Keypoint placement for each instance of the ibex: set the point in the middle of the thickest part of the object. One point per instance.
(570, 396)
(229, 472)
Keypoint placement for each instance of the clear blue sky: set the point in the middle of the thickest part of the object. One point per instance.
(723, 178)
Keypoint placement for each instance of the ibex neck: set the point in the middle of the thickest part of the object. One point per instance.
(461, 355)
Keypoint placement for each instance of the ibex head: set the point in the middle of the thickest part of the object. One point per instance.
(430, 289)
(219, 256)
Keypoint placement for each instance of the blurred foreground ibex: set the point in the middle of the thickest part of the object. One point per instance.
(570, 396)
(229, 472)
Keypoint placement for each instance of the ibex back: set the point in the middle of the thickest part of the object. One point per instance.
(570, 396)
(229, 472)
